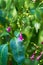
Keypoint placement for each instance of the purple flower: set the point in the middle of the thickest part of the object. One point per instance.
(32, 57)
(41, 53)
(38, 58)
(21, 37)
(8, 29)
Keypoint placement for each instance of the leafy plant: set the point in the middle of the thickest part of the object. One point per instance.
(21, 32)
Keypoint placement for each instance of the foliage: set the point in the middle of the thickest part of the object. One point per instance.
(21, 32)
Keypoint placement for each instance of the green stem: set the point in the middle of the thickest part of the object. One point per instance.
(9, 54)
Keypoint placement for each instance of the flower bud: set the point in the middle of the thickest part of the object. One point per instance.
(38, 58)
(8, 29)
(32, 57)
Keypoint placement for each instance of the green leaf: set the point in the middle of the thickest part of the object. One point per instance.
(40, 39)
(3, 54)
(16, 33)
(37, 3)
(8, 4)
(36, 62)
(19, 4)
(2, 4)
(40, 8)
(3, 21)
(30, 62)
(17, 50)
(27, 61)
(4, 34)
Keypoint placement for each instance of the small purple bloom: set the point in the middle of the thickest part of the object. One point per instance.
(8, 29)
(32, 57)
(20, 37)
(38, 58)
